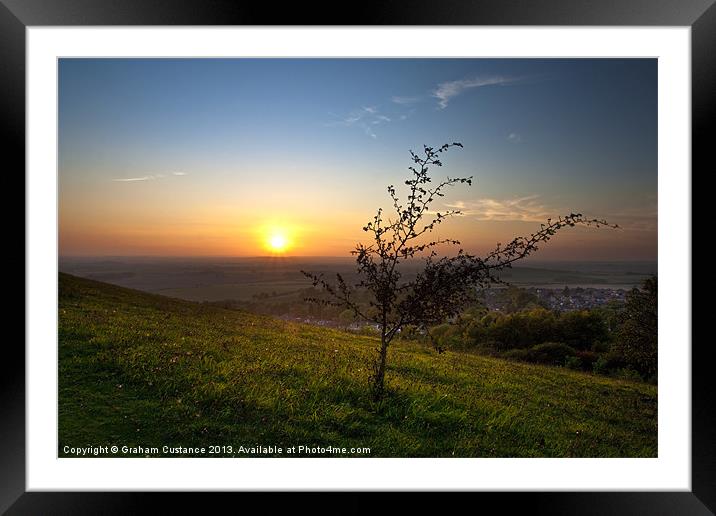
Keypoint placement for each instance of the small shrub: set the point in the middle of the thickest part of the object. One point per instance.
(573, 362)
(410, 332)
(489, 346)
(517, 354)
(601, 366)
(627, 373)
(600, 346)
(554, 353)
(588, 359)
(369, 331)
(489, 351)
(550, 353)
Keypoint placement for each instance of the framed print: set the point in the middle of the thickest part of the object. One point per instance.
(417, 253)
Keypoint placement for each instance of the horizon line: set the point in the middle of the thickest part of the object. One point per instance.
(249, 257)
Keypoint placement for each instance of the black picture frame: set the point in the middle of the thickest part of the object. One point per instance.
(16, 15)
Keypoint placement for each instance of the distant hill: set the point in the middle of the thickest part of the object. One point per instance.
(140, 369)
(216, 279)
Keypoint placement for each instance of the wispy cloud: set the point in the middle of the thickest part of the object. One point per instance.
(446, 91)
(131, 179)
(407, 115)
(364, 117)
(369, 131)
(355, 116)
(370, 115)
(146, 178)
(522, 209)
(530, 209)
(514, 137)
(406, 100)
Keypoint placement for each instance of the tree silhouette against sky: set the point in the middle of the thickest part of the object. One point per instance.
(443, 285)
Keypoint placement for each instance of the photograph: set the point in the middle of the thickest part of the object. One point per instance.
(382, 257)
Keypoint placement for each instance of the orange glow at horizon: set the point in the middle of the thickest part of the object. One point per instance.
(153, 221)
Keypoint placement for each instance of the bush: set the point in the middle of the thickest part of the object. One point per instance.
(636, 339)
(440, 331)
(489, 350)
(600, 346)
(523, 329)
(550, 353)
(588, 359)
(554, 353)
(522, 355)
(581, 328)
(573, 363)
(627, 373)
(601, 366)
(447, 336)
(410, 332)
(370, 331)
(475, 333)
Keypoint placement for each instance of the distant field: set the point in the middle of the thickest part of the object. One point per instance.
(139, 369)
(215, 279)
(556, 278)
(242, 292)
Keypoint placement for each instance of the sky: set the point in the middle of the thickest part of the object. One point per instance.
(252, 157)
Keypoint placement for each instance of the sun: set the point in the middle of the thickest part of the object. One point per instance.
(277, 240)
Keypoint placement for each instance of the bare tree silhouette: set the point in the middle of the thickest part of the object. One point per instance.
(444, 285)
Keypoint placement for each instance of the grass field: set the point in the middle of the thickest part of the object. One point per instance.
(137, 369)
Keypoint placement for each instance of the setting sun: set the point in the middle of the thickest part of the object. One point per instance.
(278, 242)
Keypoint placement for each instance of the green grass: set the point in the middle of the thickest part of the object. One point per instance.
(138, 369)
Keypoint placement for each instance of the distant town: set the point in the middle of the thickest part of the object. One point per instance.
(495, 299)
(559, 299)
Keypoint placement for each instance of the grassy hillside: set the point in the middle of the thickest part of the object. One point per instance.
(138, 369)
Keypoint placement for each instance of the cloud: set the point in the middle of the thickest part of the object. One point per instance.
(369, 131)
(514, 137)
(404, 101)
(522, 209)
(351, 119)
(407, 115)
(530, 209)
(364, 117)
(146, 178)
(131, 179)
(355, 116)
(448, 90)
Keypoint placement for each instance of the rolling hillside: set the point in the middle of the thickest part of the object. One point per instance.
(139, 369)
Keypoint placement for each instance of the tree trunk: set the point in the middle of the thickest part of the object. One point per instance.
(379, 374)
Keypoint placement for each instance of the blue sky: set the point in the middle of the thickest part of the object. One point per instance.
(189, 142)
